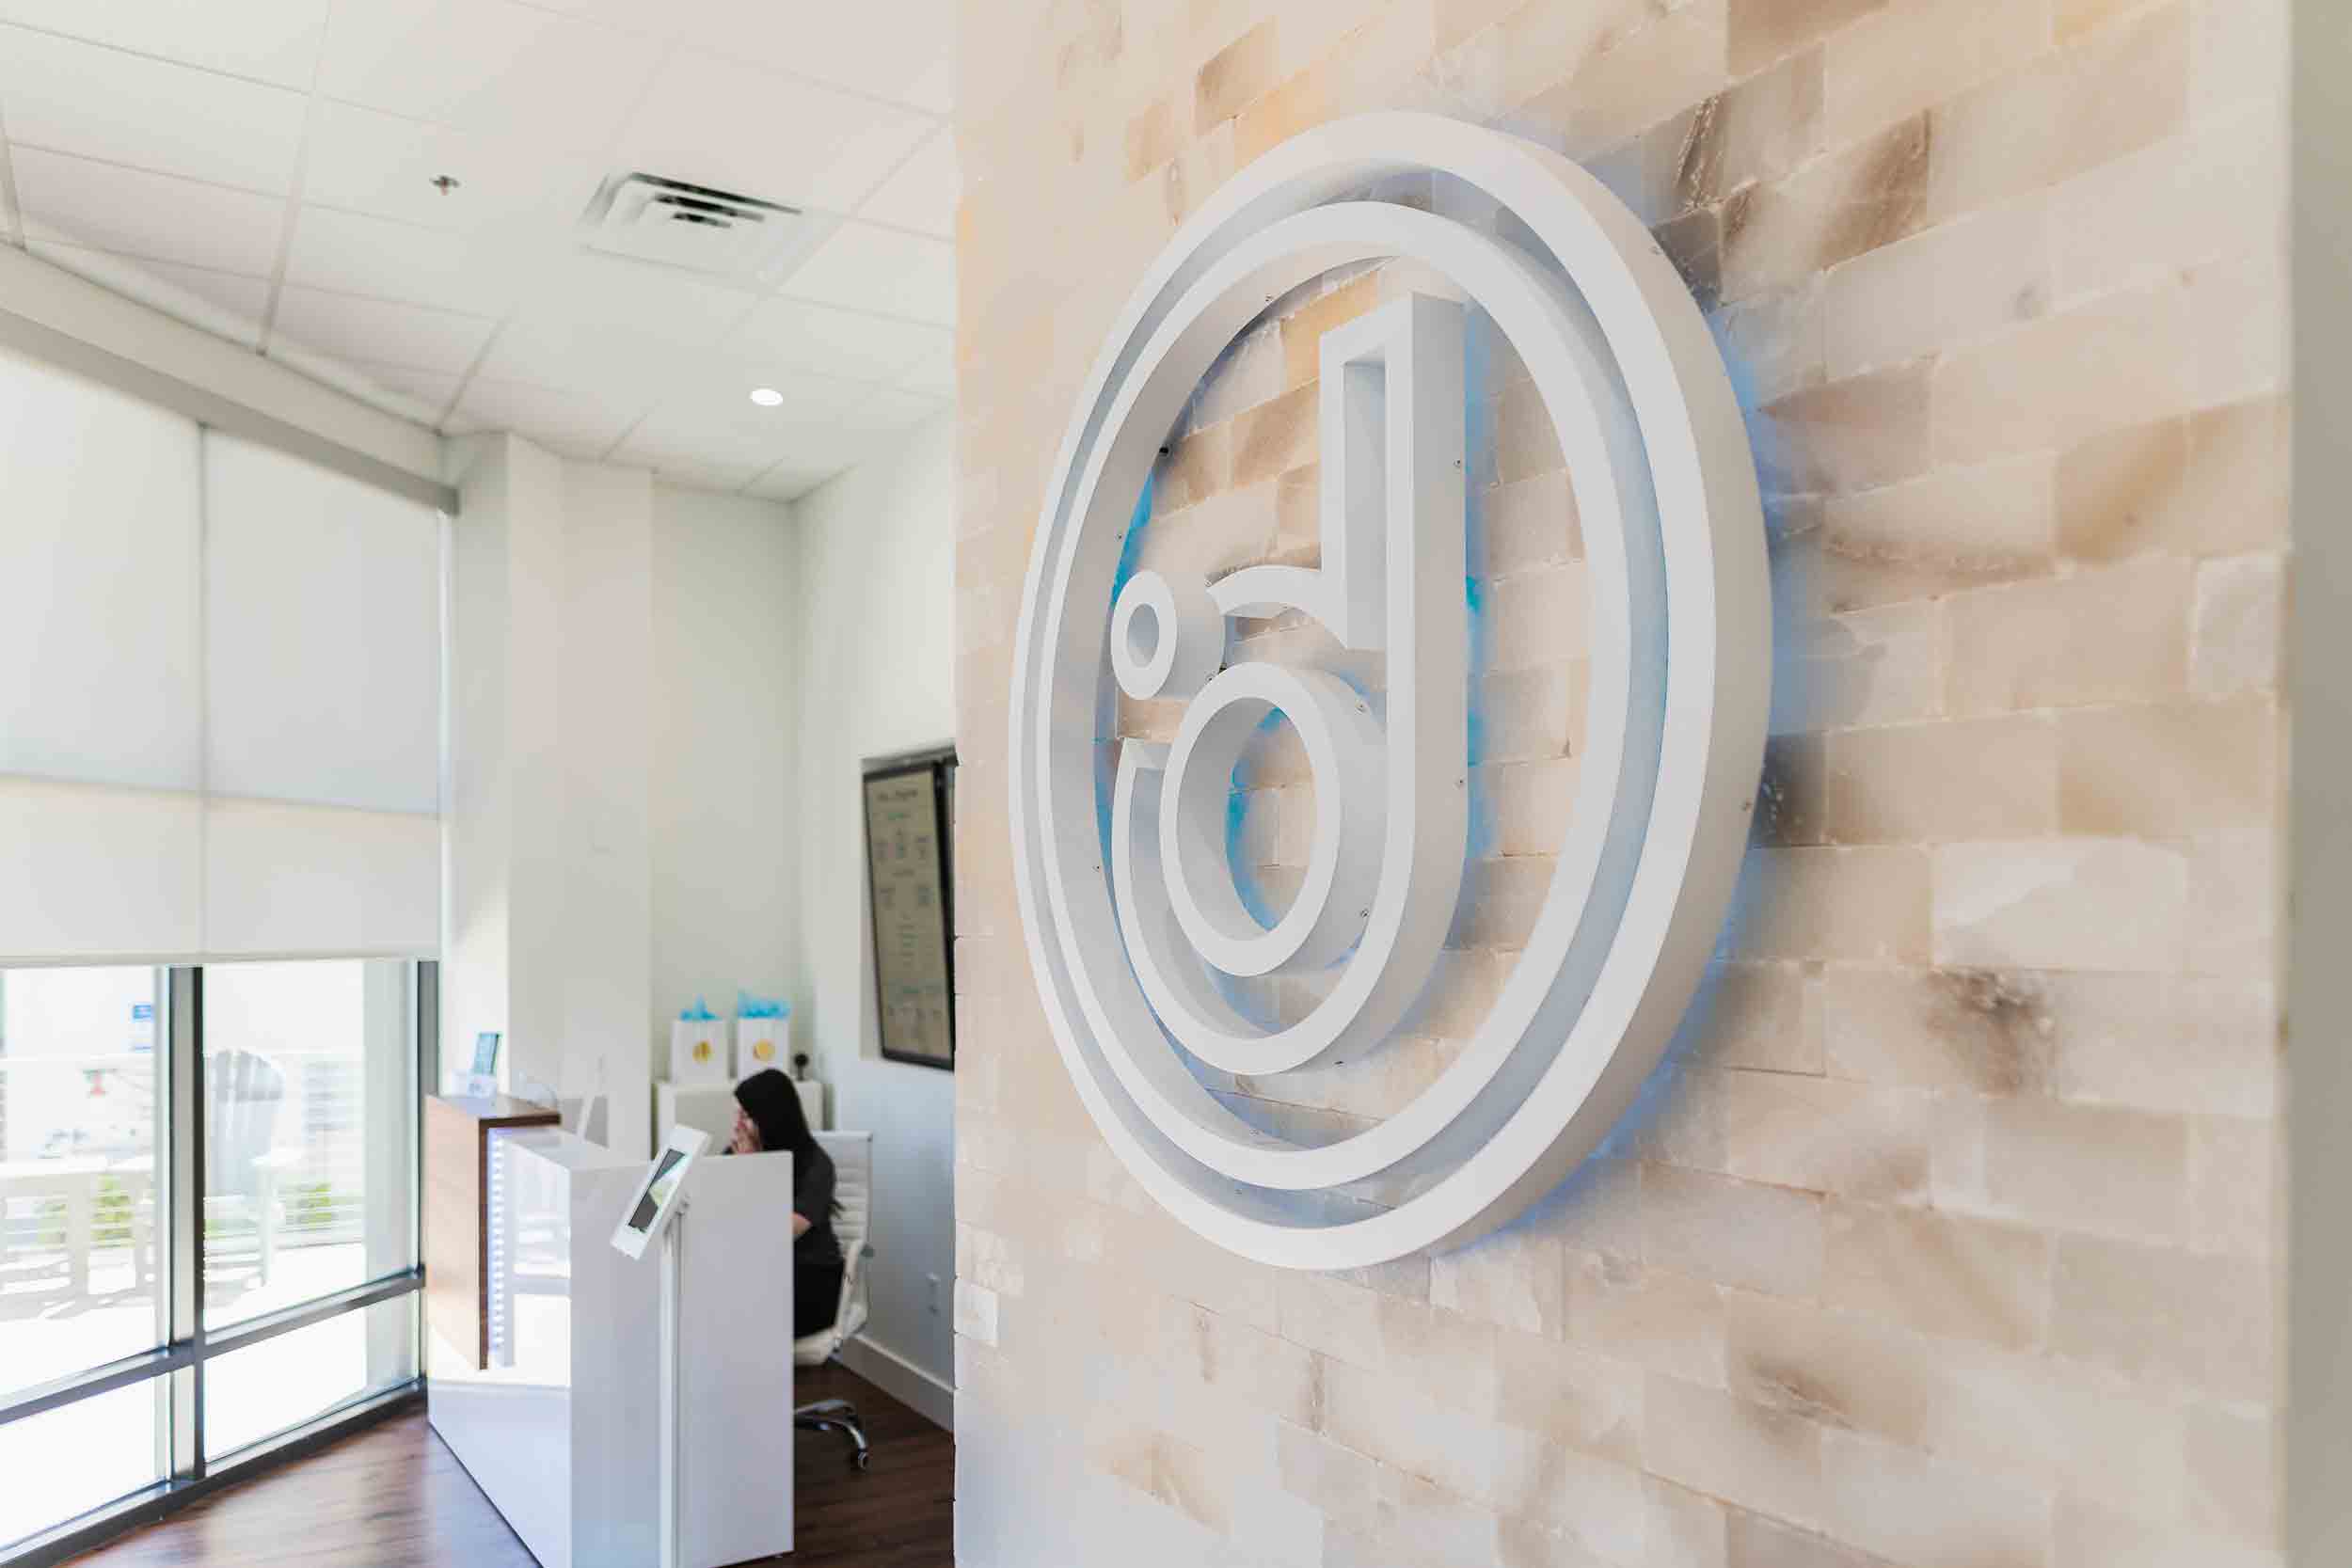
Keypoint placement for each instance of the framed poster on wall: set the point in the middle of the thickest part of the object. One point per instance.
(909, 805)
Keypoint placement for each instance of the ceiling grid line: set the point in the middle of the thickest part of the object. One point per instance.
(187, 164)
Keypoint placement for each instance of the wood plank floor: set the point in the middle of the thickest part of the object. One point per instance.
(393, 1497)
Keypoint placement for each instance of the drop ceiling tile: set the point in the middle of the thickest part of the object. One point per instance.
(891, 411)
(715, 121)
(933, 373)
(351, 328)
(923, 192)
(427, 391)
(598, 316)
(720, 424)
(75, 201)
(490, 66)
(366, 161)
(785, 482)
(226, 304)
(270, 40)
(360, 255)
(687, 473)
(574, 423)
(897, 51)
(883, 270)
(797, 335)
(97, 102)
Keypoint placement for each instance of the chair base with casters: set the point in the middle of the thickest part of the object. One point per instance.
(853, 1155)
(836, 1416)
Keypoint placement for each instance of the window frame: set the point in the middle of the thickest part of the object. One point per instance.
(177, 1366)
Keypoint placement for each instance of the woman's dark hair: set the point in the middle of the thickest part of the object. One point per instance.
(773, 1104)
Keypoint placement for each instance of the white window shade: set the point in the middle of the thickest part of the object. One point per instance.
(219, 691)
(99, 672)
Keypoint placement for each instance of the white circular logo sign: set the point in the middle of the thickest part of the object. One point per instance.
(1130, 905)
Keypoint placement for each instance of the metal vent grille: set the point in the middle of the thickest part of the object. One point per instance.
(650, 219)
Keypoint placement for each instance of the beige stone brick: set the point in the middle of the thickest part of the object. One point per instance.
(1733, 1449)
(1250, 372)
(1791, 796)
(1686, 1529)
(1843, 205)
(2161, 1315)
(1529, 713)
(1274, 436)
(2085, 1535)
(1648, 68)
(2237, 316)
(2193, 1046)
(1339, 1482)
(1835, 1370)
(1419, 1430)
(1754, 1541)
(1774, 342)
(2234, 1472)
(1937, 290)
(1862, 904)
(1878, 666)
(1640, 1315)
(2117, 360)
(1764, 30)
(1152, 138)
(2235, 1178)
(1168, 1469)
(2086, 1168)
(1234, 77)
(1739, 1232)
(1965, 1029)
(2118, 89)
(2237, 905)
(1584, 1502)
(1943, 1275)
(2213, 482)
(2063, 903)
(1821, 1134)
(1567, 1395)
(1766, 1016)
(1902, 58)
(2238, 54)
(1533, 802)
(1530, 524)
(2173, 771)
(1302, 330)
(1197, 467)
(2116, 635)
(1907, 1507)
(1760, 129)
(1846, 435)
(1515, 1278)
(1539, 617)
(2205, 195)
(1984, 778)
(1500, 901)
(2237, 634)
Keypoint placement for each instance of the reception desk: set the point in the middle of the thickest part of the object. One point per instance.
(560, 1422)
(459, 1133)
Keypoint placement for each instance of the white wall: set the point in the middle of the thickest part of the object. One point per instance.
(725, 737)
(621, 826)
(877, 664)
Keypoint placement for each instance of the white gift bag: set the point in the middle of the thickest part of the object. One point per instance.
(698, 1051)
(761, 1043)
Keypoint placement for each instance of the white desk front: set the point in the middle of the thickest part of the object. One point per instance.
(561, 1430)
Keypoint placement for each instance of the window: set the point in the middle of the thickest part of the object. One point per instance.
(208, 1203)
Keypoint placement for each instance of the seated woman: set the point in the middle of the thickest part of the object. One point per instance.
(768, 1116)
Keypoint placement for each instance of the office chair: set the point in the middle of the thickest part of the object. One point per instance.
(853, 1155)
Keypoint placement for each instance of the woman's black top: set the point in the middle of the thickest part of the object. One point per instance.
(817, 1263)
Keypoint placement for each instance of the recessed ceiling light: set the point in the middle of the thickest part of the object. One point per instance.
(767, 397)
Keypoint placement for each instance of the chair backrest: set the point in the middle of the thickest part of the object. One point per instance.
(242, 1096)
(853, 1155)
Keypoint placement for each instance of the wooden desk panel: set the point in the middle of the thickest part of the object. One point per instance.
(457, 1130)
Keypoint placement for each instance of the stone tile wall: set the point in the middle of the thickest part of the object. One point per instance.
(1947, 1237)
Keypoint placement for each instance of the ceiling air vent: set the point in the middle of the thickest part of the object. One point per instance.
(649, 218)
